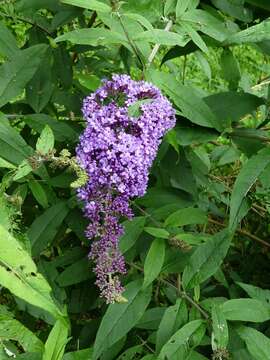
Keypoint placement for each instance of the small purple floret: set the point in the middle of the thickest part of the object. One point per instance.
(117, 150)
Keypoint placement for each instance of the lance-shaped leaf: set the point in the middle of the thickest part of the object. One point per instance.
(15, 74)
(19, 274)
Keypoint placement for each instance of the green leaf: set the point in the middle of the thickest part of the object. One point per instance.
(157, 232)
(62, 130)
(75, 273)
(174, 317)
(133, 229)
(249, 173)
(13, 147)
(234, 9)
(179, 339)
(186, 216)
(162, 37)
(119, 319)
(56, 342)
(40, 88)
(220, 335)
(8, 44)
(231, 106)
(256, 292)
(19, 274)
(230, 69)
(204, 22)
(140, 19)
(181, 7)
(44, 228)
(89, 4)
(134, 110)
(154, 261)
(186, 98)
(45, 142)
(93, 37)
(207, 258)
(258, 344)
(245, 310)
(23, 170)
(195, 37)
(11, 329)
(151, 318)
(16, 73)
(38, 192)
(85, 354)
(253, 34)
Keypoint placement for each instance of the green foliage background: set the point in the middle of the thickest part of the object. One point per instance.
(198, 249)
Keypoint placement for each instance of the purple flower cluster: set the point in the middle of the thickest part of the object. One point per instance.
(117, 150)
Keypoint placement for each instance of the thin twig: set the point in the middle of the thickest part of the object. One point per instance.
(144, 343)
(242, 232)
(133, 45)
(156, 47)
(181, 293)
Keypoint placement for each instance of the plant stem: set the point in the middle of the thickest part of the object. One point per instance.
(242, 232)
(156, 47)
(181, 293)
(133, 45)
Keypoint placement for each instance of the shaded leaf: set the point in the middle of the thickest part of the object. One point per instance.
(120, 318)
(44, 228)
(154, 261)
(16, 73)
(206, 259)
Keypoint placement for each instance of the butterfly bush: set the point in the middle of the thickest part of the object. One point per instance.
(116, 150)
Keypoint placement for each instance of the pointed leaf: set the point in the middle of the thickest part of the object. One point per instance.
(119, 319)
(207, 258)
(15, 74)
(249, 173)
(154, 261)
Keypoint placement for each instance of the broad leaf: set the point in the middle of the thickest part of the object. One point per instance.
(162, 37)
(179, 339)
(245, 310)
(207, 258)
(157, 232)
(133, 229)
(93, 37)
(44, 228)
(12, 329)
(186, 216)
(258, 344)
(154, 261)
(253, 34)
(256, 292)
(120, 318)
(45, 142)
(249, 173)
(220, 335)
(174, 317)
(8, 44)
(56, 342)
(16, 73)
(89, 4)
(13, 147)
(24, 281)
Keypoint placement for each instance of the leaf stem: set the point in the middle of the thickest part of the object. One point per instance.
(157, 46)
(181, 293)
